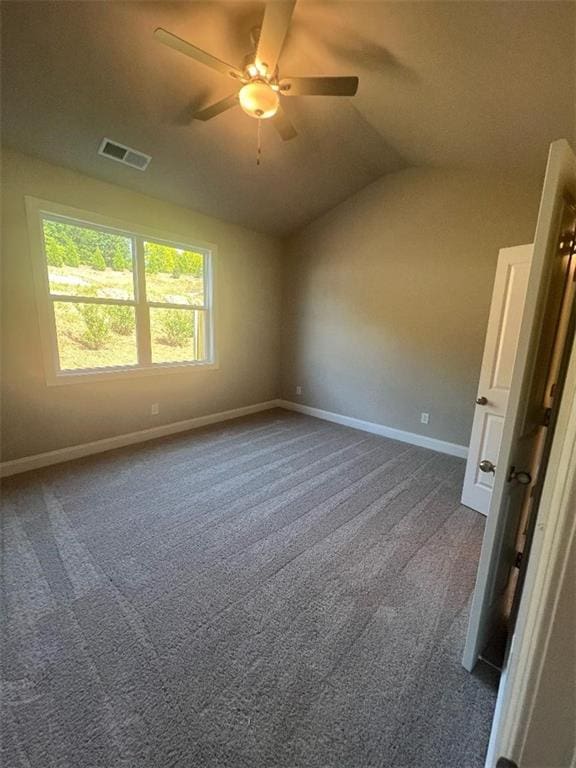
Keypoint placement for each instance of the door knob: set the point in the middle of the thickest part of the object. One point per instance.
(486, 466)
(481, 400)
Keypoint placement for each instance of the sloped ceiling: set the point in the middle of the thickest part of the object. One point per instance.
(473, 85)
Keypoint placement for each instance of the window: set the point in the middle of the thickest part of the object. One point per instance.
(119, 301)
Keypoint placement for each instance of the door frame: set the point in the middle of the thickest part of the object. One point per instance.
(559, 181)
(553, 537)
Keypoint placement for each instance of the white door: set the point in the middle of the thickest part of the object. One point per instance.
(526, 410)
(496, 374)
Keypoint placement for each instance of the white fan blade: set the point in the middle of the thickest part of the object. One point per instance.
(215, 109)
(282, 123)
(277, 16)
(172, 41)
(319, 86)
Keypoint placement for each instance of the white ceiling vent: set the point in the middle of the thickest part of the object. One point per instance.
(123, 154)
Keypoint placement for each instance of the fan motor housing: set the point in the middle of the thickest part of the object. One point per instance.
(258, 99)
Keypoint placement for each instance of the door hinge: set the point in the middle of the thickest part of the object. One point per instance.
(518, 559)
(546, 417)
(523, 478)
(566, 243)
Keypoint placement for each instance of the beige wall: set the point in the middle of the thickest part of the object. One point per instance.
(387, 297)
(384, 313)
(39, 418)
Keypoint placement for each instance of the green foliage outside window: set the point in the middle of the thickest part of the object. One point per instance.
(166, 258)
(67, 245)
(98, 260)
(121, 319)
(97, 330)
(176, 327)
(119, 259)
(101, 321)
(55, 254)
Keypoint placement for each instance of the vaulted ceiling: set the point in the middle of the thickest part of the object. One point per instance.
(467, 85)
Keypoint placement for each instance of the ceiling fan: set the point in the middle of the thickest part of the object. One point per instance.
(260, 84)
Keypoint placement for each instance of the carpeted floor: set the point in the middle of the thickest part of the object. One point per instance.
(271, 592)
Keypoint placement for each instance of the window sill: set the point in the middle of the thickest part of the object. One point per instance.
(106, 374)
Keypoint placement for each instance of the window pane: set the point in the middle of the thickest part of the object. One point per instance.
(95, 335)
(88, 262)
(178, 335)
(174, 276)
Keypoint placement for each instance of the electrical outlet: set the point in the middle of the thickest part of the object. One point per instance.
(298, 390)
(154, 409)
(424, 418)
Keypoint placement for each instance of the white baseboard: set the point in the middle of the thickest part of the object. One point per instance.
(120, 441)
(379, 429)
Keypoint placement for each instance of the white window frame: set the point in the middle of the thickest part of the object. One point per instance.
(37, 211)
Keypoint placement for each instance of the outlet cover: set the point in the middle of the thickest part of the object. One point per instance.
(154, 409)
(424, 418)
(298, 390)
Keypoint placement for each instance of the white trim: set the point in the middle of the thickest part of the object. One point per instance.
(379, 429)
(93, 219)
(28, 463)
(127, 372)
(60, 455)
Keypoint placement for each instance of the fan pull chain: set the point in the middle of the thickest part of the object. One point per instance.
(259, 151)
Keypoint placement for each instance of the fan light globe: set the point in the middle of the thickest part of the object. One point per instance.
(258, 100)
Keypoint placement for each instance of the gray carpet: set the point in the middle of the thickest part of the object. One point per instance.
(270, 592)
